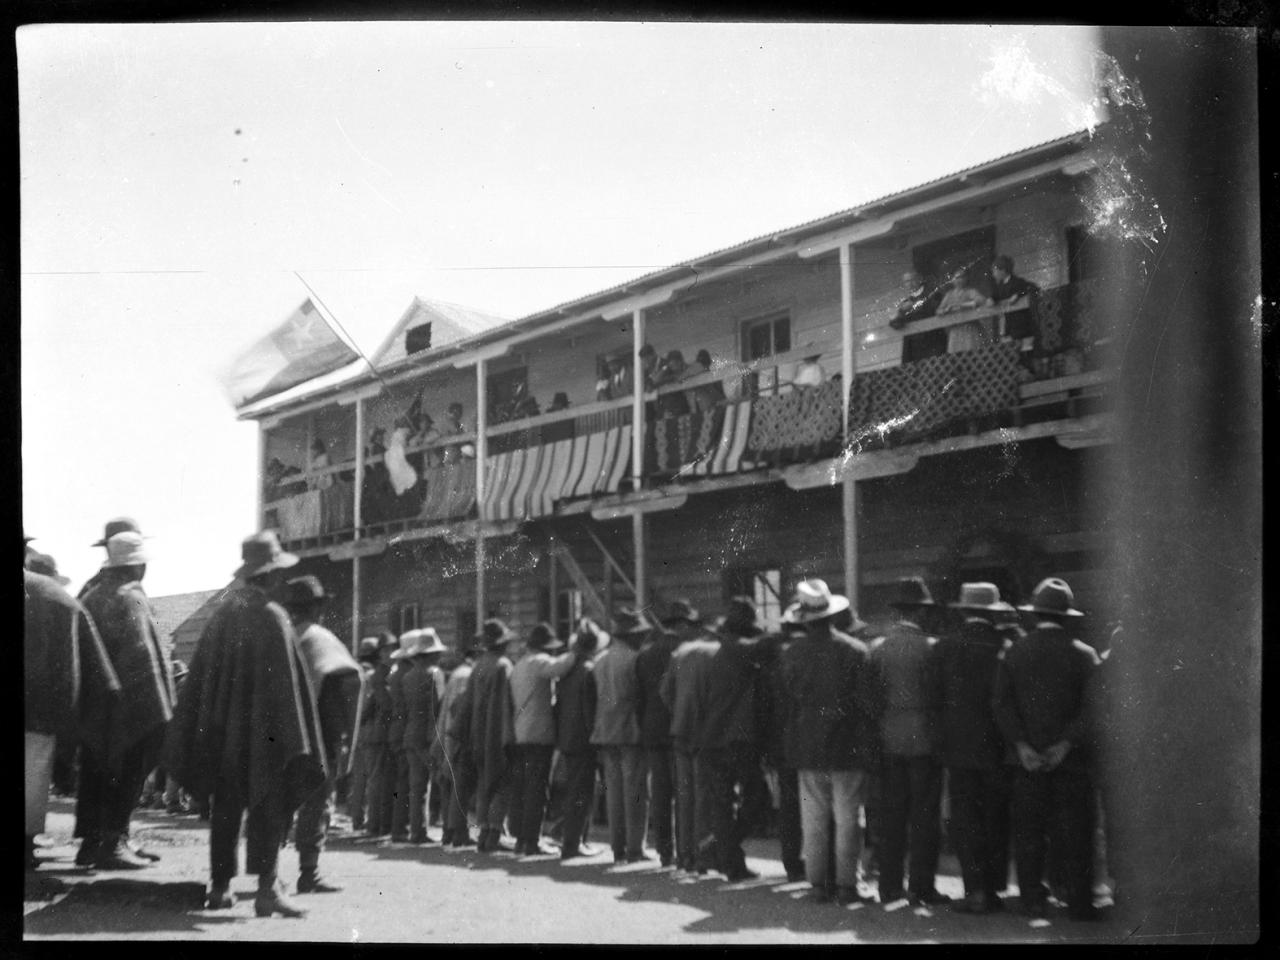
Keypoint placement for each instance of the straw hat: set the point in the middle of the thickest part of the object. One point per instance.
(814, 601)
(981, 596)
(416, 643)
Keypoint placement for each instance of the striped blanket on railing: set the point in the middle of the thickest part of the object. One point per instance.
(315, 512)
(588, 456)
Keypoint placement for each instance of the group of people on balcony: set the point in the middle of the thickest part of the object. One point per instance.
(685, 721)
(922, 299)
(617, 380)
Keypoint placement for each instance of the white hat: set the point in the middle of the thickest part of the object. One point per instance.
(814, 601)
(124, 549)
(417, 642)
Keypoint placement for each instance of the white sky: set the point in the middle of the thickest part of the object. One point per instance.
(504, 166)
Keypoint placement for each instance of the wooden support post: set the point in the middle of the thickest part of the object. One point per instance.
(637, 456)
(553, 588)
(482, 452)
(849, 493)
(357, 520)
(261, 518)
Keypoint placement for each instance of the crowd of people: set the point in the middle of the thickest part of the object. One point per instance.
(697, 730)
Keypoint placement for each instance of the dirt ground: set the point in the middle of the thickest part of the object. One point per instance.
(402, 893)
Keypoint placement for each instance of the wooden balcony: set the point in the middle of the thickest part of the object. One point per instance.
(744, 423)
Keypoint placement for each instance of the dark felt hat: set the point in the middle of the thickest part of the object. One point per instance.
(682, 611)
(304, 591)
(45, 564)
(628, 622)
(543, 637)
(262, 553)
(913, 592)
(494, 633)
(739, 618)
(117, 525)
(369, 647)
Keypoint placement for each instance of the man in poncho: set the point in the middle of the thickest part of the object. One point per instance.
(67, 676)
(336, 684)
(111, 781)
(244, 731)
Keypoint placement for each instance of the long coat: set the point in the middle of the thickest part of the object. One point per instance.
(67, 674)
(968, 737)
(123, 616)
(246, 716)
(492, 724)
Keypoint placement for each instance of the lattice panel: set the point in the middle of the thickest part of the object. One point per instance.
(917, 398)
(804, 417)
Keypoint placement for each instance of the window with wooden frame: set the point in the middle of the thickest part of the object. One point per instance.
(761, 338)
(407, 618)
(973, 250)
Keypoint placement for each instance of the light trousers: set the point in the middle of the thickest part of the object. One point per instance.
(626, 797)
(830, 797)
(39, 769)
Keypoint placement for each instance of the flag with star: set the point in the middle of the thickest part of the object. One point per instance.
(303, 347)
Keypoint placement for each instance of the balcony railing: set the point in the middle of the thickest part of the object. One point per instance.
(534, 464)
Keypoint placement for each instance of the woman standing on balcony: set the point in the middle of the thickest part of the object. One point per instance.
(963, 296)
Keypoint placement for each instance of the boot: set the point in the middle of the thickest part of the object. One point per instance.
(271, 899)
(88, 852)
(485, 837)
(311, 882)
(114, 854)
(219, 897)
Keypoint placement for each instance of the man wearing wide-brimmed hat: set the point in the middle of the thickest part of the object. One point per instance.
(492, 731)
(111, 783)
(457, 776)
(423, 687)
(1041, 689)
(334, 681)
(903, 668)
(616, 735)
(241, 733)
(68, 681)
(575, 718)
(971, 748)
(681, 622)
(728, 761)
(534, 726)
(110, 529)
(828, 738)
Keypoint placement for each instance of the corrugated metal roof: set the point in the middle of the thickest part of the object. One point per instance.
(877, 207)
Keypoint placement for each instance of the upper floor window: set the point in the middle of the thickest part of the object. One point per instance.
(1090, 257)
(408, 617)
(766, 338)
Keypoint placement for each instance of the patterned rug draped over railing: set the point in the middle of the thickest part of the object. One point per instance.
(314, 513)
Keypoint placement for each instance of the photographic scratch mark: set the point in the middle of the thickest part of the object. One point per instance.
(358, 151)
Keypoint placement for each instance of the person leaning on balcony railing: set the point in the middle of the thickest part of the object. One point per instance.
(962, 295)
(673, 369)
(453, 426)
(1007, 286)
(427, 434)
(705, 397)
(920, 300)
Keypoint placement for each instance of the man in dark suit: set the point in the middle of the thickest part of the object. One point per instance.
(1007, 286)
(1040, 703)
(575, 718)
(902, 668)
(971, 748)
(423, 687)
(655, 724)
(919, 302)
(728, 748)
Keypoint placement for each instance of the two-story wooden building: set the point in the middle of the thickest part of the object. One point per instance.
(744, 474)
